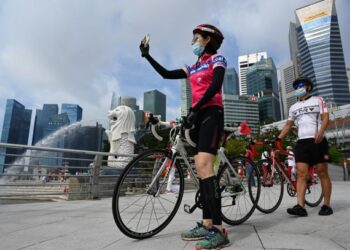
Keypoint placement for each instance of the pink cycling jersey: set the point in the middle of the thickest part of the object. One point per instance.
(201, 76)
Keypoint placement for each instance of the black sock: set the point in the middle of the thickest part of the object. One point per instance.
(213, 198)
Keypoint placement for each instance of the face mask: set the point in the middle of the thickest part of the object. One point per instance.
(197, 49)
(300, 92)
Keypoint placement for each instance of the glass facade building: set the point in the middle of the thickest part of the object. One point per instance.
(41, 121)
(262, 82)
(231, 84)
(155, 101)
(241, 108)
(186, 96)
(287, 73)
(74, 112)
(321, 52)
(15, 130)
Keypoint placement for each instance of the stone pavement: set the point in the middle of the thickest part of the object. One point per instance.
(90, 225)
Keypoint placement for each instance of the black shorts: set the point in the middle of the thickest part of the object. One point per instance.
(208, 128)
(307, 151)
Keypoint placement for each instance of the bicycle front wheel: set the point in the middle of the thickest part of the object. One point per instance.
(272, 187)
(140, 209)
(240, 190)
(313, 193)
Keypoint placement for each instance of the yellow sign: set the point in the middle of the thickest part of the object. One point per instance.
(318, 15)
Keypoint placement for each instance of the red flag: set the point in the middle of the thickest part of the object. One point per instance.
(244, 129)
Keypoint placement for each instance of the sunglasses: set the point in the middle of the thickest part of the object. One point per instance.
(299, 85)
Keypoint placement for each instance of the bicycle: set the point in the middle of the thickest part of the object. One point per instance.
(142, 207)
(274, 173)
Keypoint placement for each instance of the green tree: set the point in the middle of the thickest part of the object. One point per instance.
(335, 155)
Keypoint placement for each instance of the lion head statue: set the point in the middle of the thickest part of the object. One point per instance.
(121, 120)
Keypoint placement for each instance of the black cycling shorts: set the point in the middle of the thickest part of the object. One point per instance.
(307, 151)
(208, 129)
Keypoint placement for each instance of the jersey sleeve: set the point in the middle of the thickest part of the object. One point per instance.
(291, 115)
(322, 104)
(219, 61)
(186, 68)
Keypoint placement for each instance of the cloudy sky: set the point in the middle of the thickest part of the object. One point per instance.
(80, 51)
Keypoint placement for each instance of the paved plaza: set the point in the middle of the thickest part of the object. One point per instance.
(89, 224)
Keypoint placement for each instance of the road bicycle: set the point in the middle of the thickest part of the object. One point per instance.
(141, 205)
(274, 173)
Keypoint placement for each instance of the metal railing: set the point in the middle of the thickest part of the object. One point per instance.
(56, 173)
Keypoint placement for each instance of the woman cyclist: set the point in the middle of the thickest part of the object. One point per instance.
(206, 114)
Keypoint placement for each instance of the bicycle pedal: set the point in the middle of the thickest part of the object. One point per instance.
(187, 208)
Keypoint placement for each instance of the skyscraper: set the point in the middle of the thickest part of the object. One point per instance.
(42, 118)
(74, 112)
(321, 51)
(127, 101)
(244, 62)
(230, 85)
(15, 130)
(293, 49)
(262, 82)
(155, 101)
(287, 74)
(114, 103)
(186, 96)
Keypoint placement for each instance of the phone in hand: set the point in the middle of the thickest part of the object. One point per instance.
(146, 40)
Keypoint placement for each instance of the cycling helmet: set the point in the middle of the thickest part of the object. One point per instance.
(213, 32)
(305, 81)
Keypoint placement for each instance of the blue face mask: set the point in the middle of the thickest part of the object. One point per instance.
(197, 49)
(300, 92)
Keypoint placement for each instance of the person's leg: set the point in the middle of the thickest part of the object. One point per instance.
(302, 175)
(322, 171)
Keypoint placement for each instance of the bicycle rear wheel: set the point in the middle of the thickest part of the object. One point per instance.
(313, 194)
(271, 191)
(240, 190)
(141, 211)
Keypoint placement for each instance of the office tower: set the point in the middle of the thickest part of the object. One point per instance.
(321, 51)
(127, 101)
(287, 74)
(15, 130)
(348, 74)
(186, 96)
(244, 62)
(230, 85)
(241, 108)
(155, 101)
(293, 49)
(42, 117)
(262, 82)
(114, 101)
(74, 112)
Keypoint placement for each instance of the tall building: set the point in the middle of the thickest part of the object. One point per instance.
(114, 102)
(262, 82)
(244, 62)
(42, 117)
(127, 101)
(15, 130)
(287, 76)
(321, 51)
(74, 112)
(241, 108)
(293, 49)
(348, 73)
(186, 96)
(231, 85)
(155, 101)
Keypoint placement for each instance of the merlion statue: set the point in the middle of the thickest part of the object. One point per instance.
(121, 135)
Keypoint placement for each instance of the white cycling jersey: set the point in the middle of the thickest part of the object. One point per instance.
(307, 116)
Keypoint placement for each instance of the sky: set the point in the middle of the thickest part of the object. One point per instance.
(62, 51)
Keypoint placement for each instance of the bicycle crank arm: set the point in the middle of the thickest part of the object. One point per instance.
(188, 209)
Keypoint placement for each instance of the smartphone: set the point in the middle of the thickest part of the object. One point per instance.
(146, 40)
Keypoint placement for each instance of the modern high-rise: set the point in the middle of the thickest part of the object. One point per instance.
(74, 112)
(321, 52)
(114, 102)
(287, 76)
(230, 85)
(42, 117)
(186, 96)
(127, 101)
(262, 82)
(238, 109)
(155, 101)
(348, 73)
(293, 49)
(15, 130)
(244, 62)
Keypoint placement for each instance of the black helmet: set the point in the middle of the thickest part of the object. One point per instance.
(213, 32)
(305, 80)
